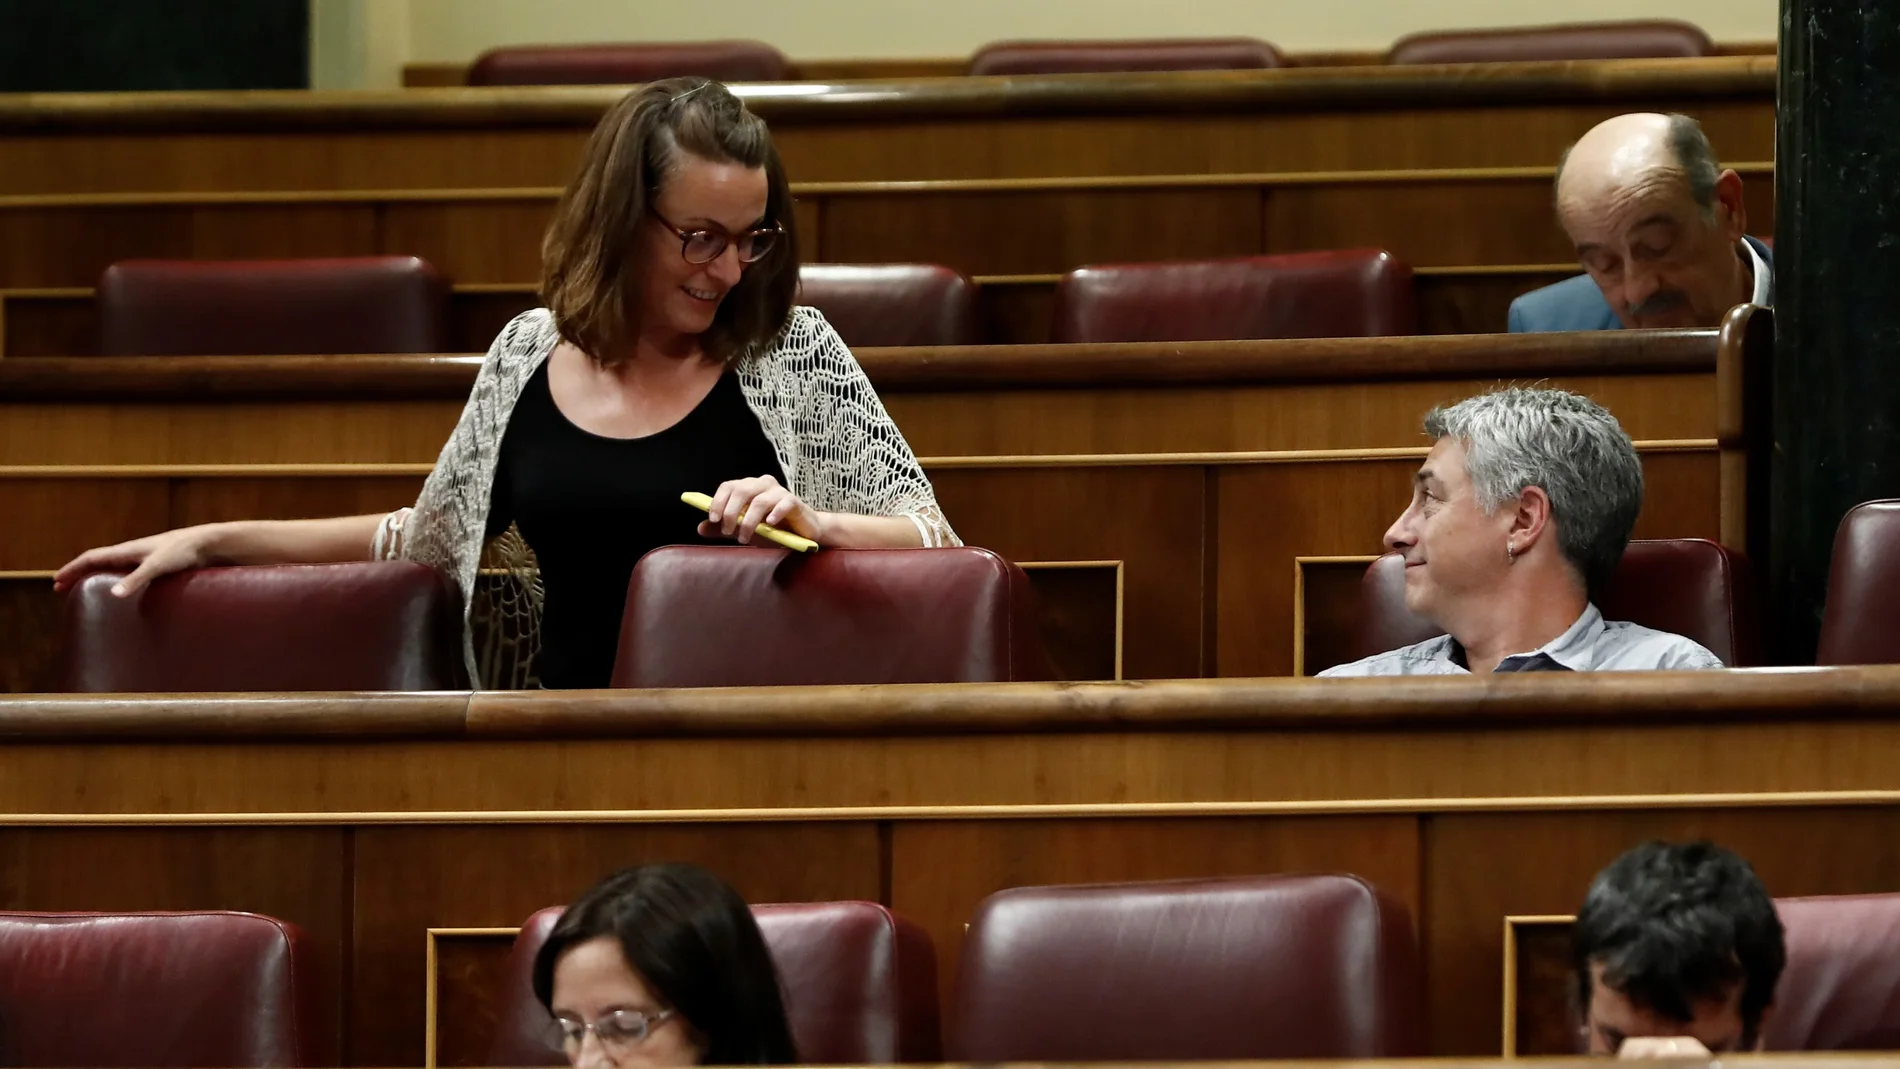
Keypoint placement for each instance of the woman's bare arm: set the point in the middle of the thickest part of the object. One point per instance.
(344, 538)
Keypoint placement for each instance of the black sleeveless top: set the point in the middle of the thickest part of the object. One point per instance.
(591, 507)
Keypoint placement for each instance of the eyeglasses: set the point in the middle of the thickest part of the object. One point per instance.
(705, 246)
(618, 1032)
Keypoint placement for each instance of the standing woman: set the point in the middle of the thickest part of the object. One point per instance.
(669, 358)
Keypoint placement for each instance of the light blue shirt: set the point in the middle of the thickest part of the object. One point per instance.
(1592, 644)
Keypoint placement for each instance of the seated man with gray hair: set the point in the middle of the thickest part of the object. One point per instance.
(1661, 230)
(1518, 519)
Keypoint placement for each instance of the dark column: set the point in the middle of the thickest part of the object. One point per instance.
(1837, 293)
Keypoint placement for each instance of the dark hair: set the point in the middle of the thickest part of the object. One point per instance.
(1676, 924)
(589, 273)
(693, 941)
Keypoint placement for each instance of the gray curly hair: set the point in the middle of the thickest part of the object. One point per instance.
(1565, 443)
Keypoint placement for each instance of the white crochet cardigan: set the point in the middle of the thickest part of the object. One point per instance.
(839, 450)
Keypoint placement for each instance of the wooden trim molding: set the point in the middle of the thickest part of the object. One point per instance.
(431, 971)
(1511, 925)
(1051, 811)
(1299, 596)
(958, 463)
(1264, 180)
(1121, 590)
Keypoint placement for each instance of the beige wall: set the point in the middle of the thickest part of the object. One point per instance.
(456, 30)
(364, 43)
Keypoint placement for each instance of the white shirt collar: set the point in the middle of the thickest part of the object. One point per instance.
(1764, 277)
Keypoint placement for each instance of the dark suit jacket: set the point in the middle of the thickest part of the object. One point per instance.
(1577, 303)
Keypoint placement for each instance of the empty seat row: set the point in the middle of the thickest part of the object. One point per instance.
(1239, 968)
(756, 61)
(399, 304)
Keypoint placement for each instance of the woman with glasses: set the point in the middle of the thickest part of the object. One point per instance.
(662, 965)
(670, 358)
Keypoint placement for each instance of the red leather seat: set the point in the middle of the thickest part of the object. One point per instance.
(893, 304)
(1861, 624)
(860, 986)
(1841, 988)
(190, 990)
(622, 64)
(370, 625)
(1257, 967)
(368, 304)
(1158, 54)
(1352, 294)
(1687, 586)
(1635, 39)
(962, 615)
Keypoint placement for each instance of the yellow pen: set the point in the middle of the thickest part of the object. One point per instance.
(784, 538)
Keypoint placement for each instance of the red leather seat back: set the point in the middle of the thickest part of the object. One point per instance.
(187, 990)
(624, 64)
(368, 304)
(1351, 294)
(1861, 624)
(1158, 54)
(1257, 967)
(370, 625)
(1635, 39)
(706, 616)
(1841, 989)
(893, 304)
(1687, 586)
(860, 986)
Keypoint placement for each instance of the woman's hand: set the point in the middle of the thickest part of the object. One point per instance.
(739, 506)
(148, 558)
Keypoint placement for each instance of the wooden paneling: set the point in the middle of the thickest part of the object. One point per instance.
(409, 880)
(30, 635)
(300, 875)
(1079, 616)
(472, 242)
(1326, 612)
(1480, 868)
(471, 974)
(1036, 231)
(54, 520)
(1102, 514)
(940, 871)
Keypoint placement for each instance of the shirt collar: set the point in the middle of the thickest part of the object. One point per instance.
(1571, 650)
(1764, 277)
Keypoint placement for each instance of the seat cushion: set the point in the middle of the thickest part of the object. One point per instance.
(369, 625)
(369, 304)
(1686, 586)
(893, 304)
(1636, 39)
(192, 990)
(1355, 293)
(1160, 54)
(1256, 967)
(1861, 624)
(961, 615)
(860, 986)
(1841, 988)
(622, 64)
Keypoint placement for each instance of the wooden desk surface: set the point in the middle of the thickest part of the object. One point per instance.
(389, 824)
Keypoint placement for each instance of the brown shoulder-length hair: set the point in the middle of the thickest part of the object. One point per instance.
(589, 266)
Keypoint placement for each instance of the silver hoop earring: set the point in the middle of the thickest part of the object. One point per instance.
(1510, 553)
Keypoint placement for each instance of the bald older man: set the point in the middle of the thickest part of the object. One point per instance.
(1660, 229)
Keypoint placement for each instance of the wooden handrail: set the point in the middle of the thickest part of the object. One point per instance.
(1527, 700)
(1288, 89)
(948, 368)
